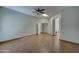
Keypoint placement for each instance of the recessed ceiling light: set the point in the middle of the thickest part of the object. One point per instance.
(45, 15)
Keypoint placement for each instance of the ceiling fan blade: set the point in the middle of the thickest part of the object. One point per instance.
(42, 10)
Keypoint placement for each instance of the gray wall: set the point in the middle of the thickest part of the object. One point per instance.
(0, 25)
(70, 24)
(14, 24)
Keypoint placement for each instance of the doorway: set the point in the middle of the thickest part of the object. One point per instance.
(41, 28)
(56, 26)
(44, 28)
(36, 29)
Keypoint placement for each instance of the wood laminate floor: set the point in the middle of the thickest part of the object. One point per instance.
(42, 43)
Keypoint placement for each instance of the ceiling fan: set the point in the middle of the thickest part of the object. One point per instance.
(39, 11)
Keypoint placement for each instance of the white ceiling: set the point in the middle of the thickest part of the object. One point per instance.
(50, 10)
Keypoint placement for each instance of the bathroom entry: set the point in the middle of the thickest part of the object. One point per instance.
(56, 26)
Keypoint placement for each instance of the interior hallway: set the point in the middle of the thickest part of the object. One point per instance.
(37, 44)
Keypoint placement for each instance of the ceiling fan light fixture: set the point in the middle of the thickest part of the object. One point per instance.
(45, 15)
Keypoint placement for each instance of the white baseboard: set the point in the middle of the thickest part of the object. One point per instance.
(16, 37)
(69, 41)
